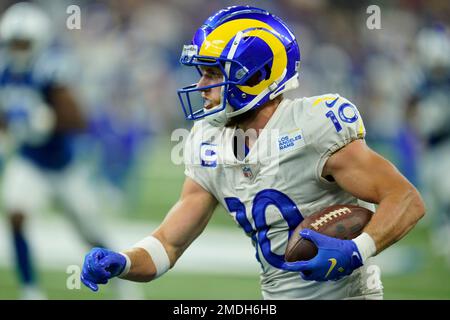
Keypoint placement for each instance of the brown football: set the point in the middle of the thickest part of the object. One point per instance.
(339, 221)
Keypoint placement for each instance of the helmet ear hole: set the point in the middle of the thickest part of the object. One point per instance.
(268, 72)
(254, 80)
(259, 76)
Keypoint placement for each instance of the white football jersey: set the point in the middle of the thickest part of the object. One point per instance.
(279, 182)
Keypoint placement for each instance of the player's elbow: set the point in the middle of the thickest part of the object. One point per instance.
(174, 253)
(143, 276)
(147, 277)
(417, 205)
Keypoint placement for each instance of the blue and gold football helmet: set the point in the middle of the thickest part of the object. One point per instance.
(246, 43)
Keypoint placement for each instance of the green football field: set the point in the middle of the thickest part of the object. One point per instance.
(430, 281)
(156, 185)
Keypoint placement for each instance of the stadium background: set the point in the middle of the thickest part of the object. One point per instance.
(126, 60)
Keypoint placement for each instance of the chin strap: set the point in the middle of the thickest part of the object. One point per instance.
(290, 84)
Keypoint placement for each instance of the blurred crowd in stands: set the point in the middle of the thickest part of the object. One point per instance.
(125, 58)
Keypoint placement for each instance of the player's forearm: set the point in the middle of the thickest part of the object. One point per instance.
(154, 255)
(397, 214)
(148, 259)
(142, 268)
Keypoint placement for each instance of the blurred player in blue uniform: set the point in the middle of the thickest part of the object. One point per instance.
(39, 116)
(429, 116)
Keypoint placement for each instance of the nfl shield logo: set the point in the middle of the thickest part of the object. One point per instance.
(247, 172)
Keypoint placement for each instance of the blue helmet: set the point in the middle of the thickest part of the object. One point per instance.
(245, 43)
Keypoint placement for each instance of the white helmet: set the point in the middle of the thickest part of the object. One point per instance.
(26, 21)
(433, 46)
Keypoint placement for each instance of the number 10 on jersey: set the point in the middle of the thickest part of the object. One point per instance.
(260, 230)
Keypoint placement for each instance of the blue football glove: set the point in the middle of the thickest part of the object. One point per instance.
(100, 265)
(335, 258)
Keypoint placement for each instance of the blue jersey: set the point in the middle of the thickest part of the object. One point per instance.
(20, 92)
(433, 99)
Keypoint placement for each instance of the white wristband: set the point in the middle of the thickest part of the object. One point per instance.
(127, 266)
(365, 245)
(157, 252)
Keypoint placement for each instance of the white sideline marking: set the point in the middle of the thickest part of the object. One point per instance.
(56, 245)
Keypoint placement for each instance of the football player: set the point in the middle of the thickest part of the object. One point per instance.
(305, 154)
(39, 115)
(428, 111)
